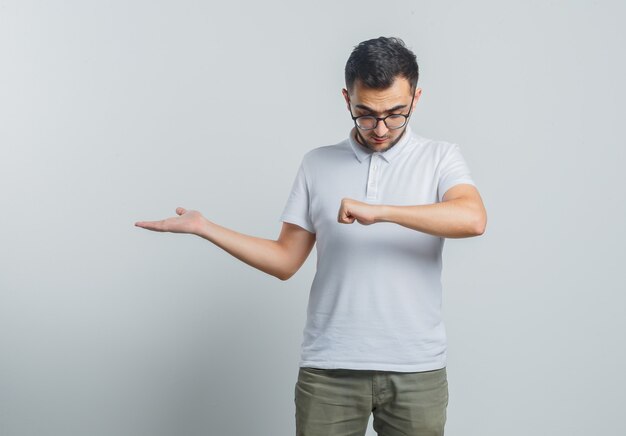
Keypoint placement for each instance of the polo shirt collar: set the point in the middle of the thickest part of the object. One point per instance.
(362, 152)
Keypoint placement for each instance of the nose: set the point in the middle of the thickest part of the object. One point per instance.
(381, 129)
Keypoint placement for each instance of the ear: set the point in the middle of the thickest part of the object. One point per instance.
(418, 93)
(346, 97)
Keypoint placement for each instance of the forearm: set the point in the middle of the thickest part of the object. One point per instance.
(448, 219)
(263, 254)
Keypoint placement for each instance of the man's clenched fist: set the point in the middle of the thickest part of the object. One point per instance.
(351, 210)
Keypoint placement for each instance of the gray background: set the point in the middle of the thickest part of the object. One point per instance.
(114, 112)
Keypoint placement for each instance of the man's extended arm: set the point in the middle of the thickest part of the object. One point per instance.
(280, 258)
(461, 214)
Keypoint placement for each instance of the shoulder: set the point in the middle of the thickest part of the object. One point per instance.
(326, 153)
(436, 149)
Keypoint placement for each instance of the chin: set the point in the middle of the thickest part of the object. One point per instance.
(385, 144)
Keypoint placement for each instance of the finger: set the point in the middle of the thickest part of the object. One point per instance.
(347, 218)
(344, 218)
(341, 217)
(151, 225)
(181, 210)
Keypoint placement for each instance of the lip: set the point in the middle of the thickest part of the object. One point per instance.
(379, 140)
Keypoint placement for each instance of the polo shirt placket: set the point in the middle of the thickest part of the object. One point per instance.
(378, 162)
(374, 176)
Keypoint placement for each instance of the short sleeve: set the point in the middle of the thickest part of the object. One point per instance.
(297, 210)
(453, 170)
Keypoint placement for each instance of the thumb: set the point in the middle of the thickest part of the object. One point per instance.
(345, 218)
(181, 210)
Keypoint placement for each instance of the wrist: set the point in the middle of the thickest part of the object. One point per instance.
(382, 213)
(203, 228)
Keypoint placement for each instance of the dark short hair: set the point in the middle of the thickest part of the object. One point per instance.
(377, 62)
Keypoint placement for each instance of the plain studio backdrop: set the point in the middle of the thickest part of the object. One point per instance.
(120, 111)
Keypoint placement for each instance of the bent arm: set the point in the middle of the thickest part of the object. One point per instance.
(280, 258)
(461, 214)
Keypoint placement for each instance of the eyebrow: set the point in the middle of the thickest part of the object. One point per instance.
(395, 108)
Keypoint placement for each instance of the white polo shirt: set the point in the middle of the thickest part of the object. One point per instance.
(375, 300)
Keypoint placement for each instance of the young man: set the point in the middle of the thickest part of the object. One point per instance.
(374, 340)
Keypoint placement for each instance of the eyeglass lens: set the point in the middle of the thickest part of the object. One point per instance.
(392, 122)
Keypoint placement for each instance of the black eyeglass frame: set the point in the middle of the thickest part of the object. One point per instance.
(383, 119)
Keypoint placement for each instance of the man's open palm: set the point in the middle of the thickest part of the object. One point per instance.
(189, 221)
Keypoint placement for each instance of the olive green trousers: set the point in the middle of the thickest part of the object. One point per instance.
(338, 402)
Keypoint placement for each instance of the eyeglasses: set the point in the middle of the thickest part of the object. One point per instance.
(393, 121)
